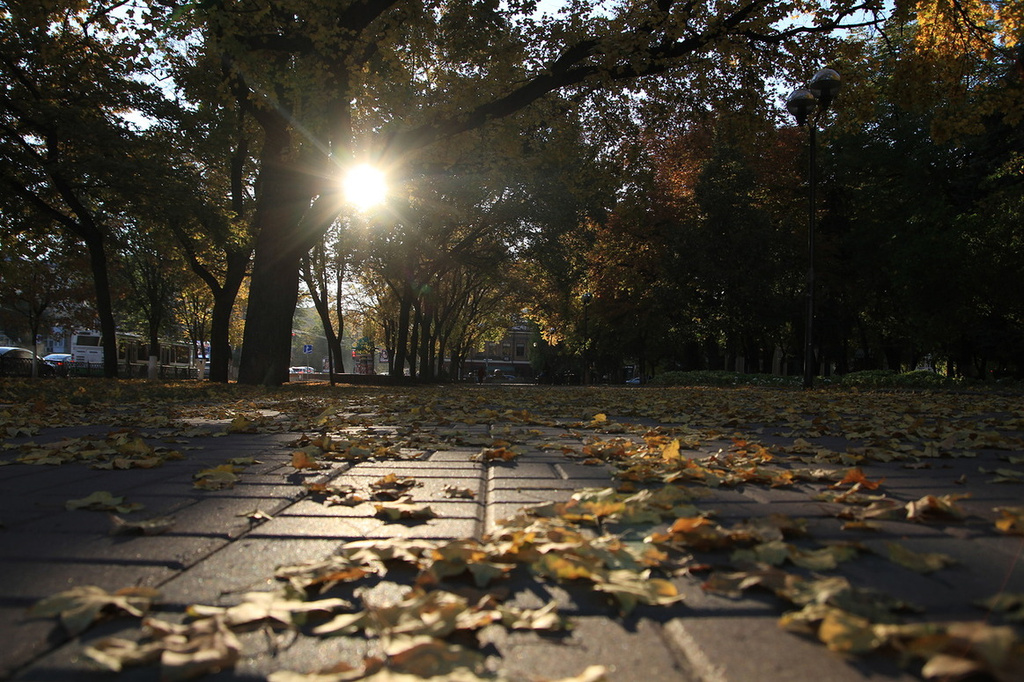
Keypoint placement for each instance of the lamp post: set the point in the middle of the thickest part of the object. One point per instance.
(808, 105)
(586, 298)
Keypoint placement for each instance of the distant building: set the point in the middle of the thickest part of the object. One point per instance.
(509, 356)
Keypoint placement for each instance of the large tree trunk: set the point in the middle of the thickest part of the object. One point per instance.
(283, 199)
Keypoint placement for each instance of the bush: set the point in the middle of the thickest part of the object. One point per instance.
(871, 379)
(882, 378)
(721, 378)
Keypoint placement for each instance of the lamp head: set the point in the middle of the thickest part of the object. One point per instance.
(825, 86)
(801, 103)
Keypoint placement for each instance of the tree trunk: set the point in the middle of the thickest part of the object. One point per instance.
(282, 202)
(414, 342)
(402, 339)
(153, 369)
(104, 306)
(335, 346)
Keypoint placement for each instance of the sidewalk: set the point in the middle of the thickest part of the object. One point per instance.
(225, 543)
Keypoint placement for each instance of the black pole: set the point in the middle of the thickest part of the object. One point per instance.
(586, 346)
(809, 322)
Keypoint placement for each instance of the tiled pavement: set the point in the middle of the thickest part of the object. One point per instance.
(215, 551)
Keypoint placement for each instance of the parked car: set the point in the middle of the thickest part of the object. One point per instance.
(17, 362)
(61, 362)
(301, 370)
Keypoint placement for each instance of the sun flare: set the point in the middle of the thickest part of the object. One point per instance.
(365, 186)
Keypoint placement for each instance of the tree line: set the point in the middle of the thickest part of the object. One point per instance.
(186, 156)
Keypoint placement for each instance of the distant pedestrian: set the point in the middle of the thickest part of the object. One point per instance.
(480, 374)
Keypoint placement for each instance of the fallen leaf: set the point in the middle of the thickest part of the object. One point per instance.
(499, 454)
(1010, 604)
(205, 646)
(403, 511)
(217, 478)
(1011, 520)
(102, 500)
(455, 492)
(79, 607)
(154, 526)
(270, 607)
(920, 562)
(631, 587)
(303, 460)
(935, 507)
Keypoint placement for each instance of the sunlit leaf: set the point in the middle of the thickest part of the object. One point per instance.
(1011, 520)
(455, 492)
(544, 618)
(269, 607)
(116, 654)
(403, 511)
(631, 587)
(304, 460)
(935, 507)
(217, 478)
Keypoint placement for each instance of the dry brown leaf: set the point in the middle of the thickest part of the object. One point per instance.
(79, 607)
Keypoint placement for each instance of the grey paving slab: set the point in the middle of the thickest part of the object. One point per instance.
(525, 496)
(170, 549)
(636, 651)
(214, 553)
(338, 528)
(511, 483)
(572, 470)
(725, 640)
(521, 469)
(442, 528)
(246, 565)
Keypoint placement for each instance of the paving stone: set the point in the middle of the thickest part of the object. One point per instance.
(326, 527)
(442, 528)
(169, 549)
(634, 653)
(521, 470)
(502, 484)
(736, 640)
(424, 469)
(37, 579)
(572, 471)
(245, 565)
(453, 456)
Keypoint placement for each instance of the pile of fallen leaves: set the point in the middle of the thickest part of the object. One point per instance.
(589, 540)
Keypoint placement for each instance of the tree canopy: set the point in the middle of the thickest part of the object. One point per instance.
(633, 151)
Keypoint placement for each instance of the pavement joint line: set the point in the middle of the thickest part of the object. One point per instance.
(700, 666)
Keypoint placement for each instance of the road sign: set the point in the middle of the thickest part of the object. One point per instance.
(307, 349)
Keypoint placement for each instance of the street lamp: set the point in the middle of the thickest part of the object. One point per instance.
(586, 298)
(808, 105)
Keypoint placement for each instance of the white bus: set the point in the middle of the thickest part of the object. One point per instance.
(175, 360)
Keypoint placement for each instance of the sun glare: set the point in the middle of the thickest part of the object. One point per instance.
(365, 186)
